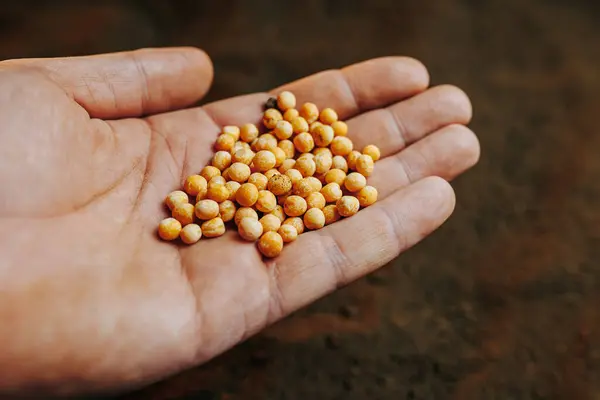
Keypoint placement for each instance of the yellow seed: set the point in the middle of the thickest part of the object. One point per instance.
(328, 116)
(233, 187)
(176, 197)
(323, 163)
(213, 227)
(221, 160)
(280, 184)
(264, 160)
(280, 156)
(314, 219)
(266, 201)
(239, 172)
(294, 206)
(315, 183)
(247, 195)
(169, 228)
(195, 184)
(288, 147)
(335, 175)
(323, 135)
(271, 173)
(332, 192)
(207, 209)
(296, 222)
(259, 180)
(365, 165)
(286, 100)
(218, 193)
(279, 213)
(231, 130)
(304, 142)
(244, 212)
(288, 233)
(331, 214)
(287, 164)
(250, 229)
(184, 213)
(248, 133)
(293, 174)
(306, 166)
(315, 200)
(216, 181)
(283, 130)
(191, 234)
(373, 151)
(225, 175)
(355, 181)
(299, 125)
(239, 146)
(291, 114)
(244, 156)
(352, 158)
(314, 126)
(347, 206)
(341, 146)
(322, 150)
(225, 142)
(310, 112)
(227, 210)
(271, 117)
(340, 128)
(303, 187)
(340, 162)
(367, 196)
(265, 142)
(270, 223)
(210, 172)
(270, 244)
(306, 155)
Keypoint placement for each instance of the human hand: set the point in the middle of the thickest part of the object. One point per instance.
(91, 300)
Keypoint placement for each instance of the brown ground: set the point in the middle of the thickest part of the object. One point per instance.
(501, 303)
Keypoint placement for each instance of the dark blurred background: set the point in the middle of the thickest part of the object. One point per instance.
(502, 302)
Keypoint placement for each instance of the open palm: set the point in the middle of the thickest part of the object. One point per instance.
(91, 300)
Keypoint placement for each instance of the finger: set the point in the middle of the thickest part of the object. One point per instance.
(134, 83)
(446, 153)
(351, 90)
(397, 126)
(322, 261)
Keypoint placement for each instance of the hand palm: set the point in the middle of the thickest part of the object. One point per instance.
(82, 197)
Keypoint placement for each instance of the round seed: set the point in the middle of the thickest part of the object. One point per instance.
(286, 100)
(323, 163)
(270, 223)
(227, 210)
(367, 196)
(315, 200)
(294, 175)
(291, 114)
(355, 181)
(270, 244)
(195, 184)
(250, 229)
(310, 112)
(286, 165)
(288, 147)
(190, 234)
(280, 184)
(288, 233)
(373, 151)
(244, 156)
(207, 209)
(264, 160)
(331, 214)
(303, 187)
(225, 142)
(352, 158)
(231, 130)
(294, 206)
(279, 213)
(306, 166)
(332, 192)
(283, 130)
(259, 180)
(314, 219)
(248, 133)
(328, 116)
(213, 228)
(340, 128)
(271, 173)
(176, 197)
(271, 117)
(335, 175)
(221, 160)
(296, 222)
(266, 201)
(247, 195)
(244, 212)
(299, 125)
(169, 228)
(218, 193)
(239, 172)
(280, 156)
(339, 162)
(210, 172)
(365, 165)
(347, 206)
(184, 213)
(323, 135)
(341, 146)
(233, 187)
(304, 142)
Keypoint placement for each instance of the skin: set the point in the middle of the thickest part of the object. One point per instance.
(91, 301)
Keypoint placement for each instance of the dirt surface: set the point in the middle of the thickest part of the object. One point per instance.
(501, 303)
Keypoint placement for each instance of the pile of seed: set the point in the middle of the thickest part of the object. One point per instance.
(303, 173)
